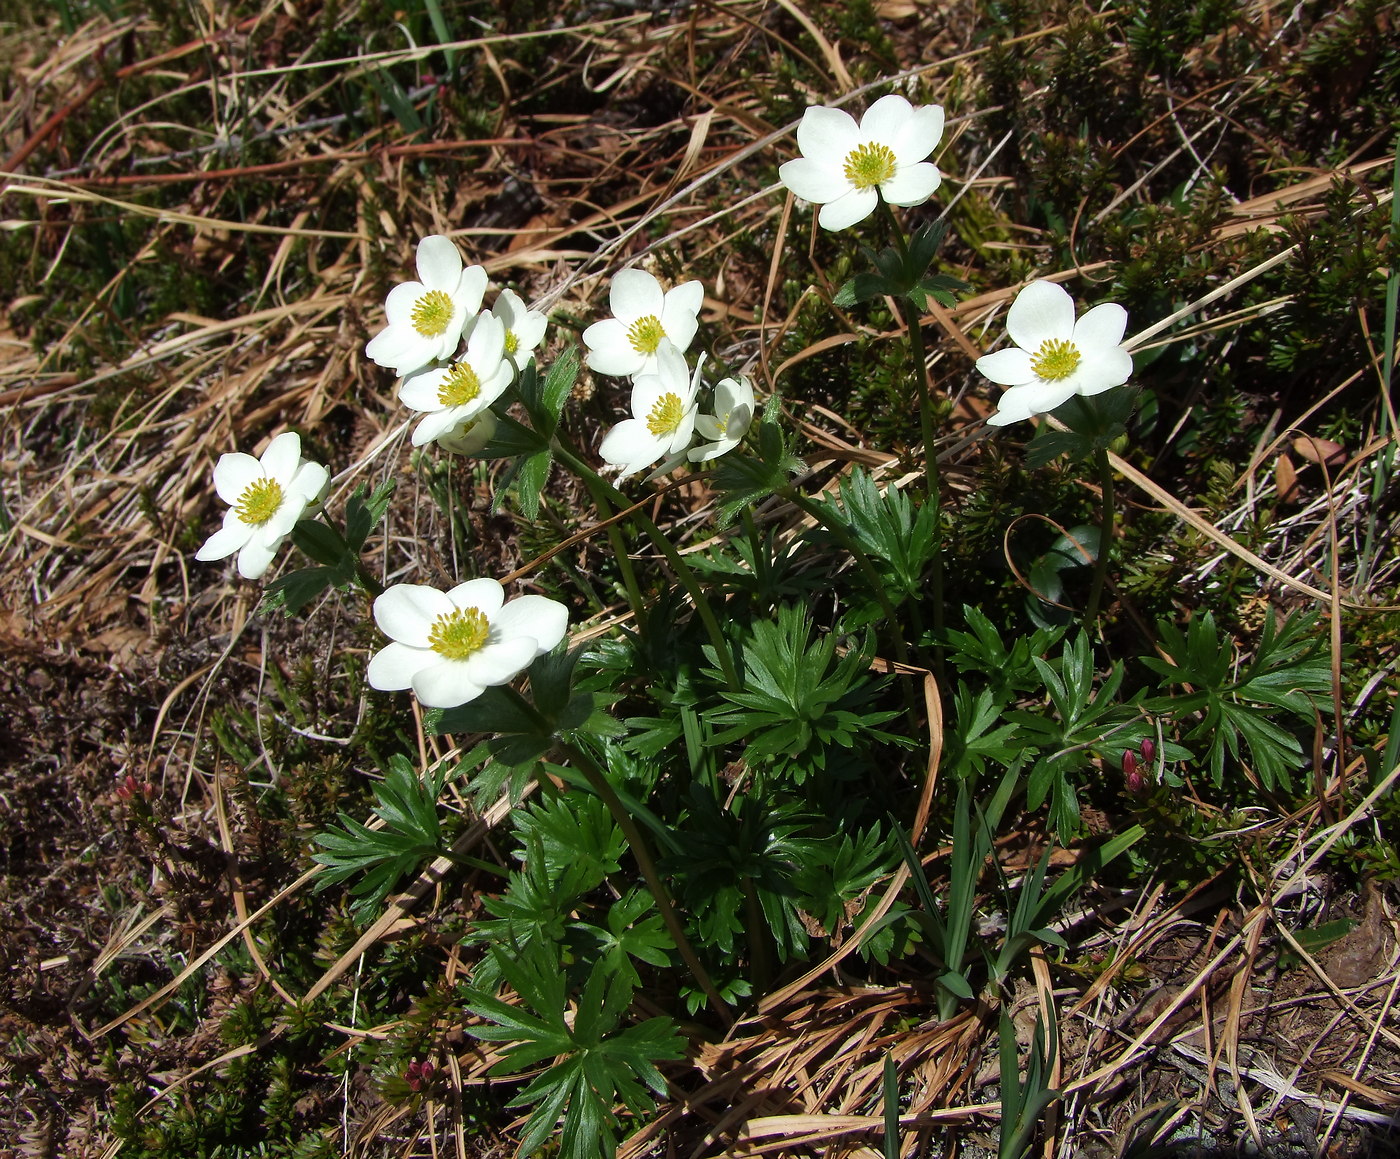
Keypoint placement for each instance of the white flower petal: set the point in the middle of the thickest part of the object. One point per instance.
(256, 555)
(885, 119)
(485, 595)
(827, 135)
(609, 351)
(544, 620)
(405, 612)
(282, 457)
(1023, 402)
(469, 436)
(919, 135)
(631, 446)
(501, 662)
(232, 475)
(228, 539)
(845, 211)
(439, 263)
(1103, 325)
(399, 303)
(283, 519)
(1042, 310)
(421, 391)
(445, 684)
(309, 484)
(635, 294)
(680, 313)
(394, 666)
(813, 181)
(437, 423)
(471, 289)
(1105, 370)
(1010, 366)
(912, 184)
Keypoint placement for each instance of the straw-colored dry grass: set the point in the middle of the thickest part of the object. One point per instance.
(251, 234)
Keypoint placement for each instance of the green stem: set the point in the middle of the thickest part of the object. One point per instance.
(913, 326)
(597, 488)
(687, 577)
(1091, 609)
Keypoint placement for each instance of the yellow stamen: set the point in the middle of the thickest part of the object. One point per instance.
(432, 313)
(512, 342)
(259, 501)
(645, 334)
(869, 165)
(460, 387)
(1055, 360)
(459, 633)
(665, 415)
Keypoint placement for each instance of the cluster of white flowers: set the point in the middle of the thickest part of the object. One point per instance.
(449, 647)
(428, 321)
(455, 360)
(847, 168)
(646, 340)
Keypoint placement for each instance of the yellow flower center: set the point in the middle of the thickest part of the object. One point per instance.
(1056, 359)
(645, 334)
(869, 165)
(460, 386)
(459, 633)
(259, 501)
(666, 414)
(512, 342)
(432, 313)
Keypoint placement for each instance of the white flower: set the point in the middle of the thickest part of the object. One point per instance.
(427, 317)
(663, 409)
(844, 164)
(453, 393)
(1055, 356)
(643, 317)
(524, 327)
(449, 647)
(470, 435)
(730, 423)
(266, 497)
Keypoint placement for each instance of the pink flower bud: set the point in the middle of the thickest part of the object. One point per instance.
(1129, 763)
(1135, 782)
(1149, 749)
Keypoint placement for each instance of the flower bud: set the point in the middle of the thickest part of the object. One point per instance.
(1149, 749)
(1129, 762)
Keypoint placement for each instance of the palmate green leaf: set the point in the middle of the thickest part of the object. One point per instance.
(412, 833)
(596, 1065)
(363, 511)
(1287, 672)
(888, 527)
(292, 592)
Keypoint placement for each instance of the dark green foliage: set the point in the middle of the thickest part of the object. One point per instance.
(798, 700)
(1236, 704)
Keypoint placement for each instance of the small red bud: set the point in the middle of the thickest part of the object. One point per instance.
(1135, 782)
(1149, 749)
(1129, 763)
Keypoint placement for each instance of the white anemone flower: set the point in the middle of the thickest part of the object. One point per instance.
(663, 410)
(470, 436)
(455, 392)
(524, 327)
(644, 317)
(726, 428)
(846, 168)
(449, 647)
(427, 317)
(1055, 356)
(266, 496)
